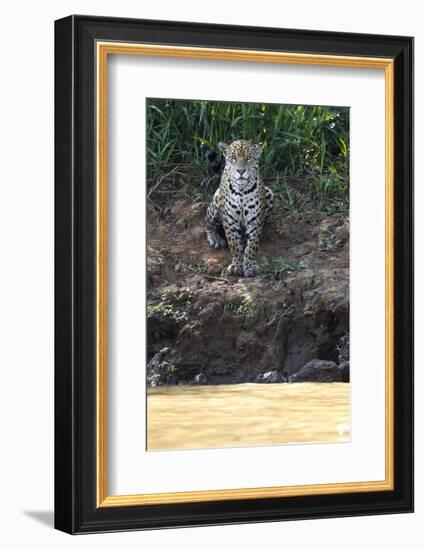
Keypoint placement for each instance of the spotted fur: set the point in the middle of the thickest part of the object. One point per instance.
(239, 207)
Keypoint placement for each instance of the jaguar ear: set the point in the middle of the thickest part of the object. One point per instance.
(259, 148)
(222, 146)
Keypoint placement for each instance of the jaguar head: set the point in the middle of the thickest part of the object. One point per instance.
(241, 159)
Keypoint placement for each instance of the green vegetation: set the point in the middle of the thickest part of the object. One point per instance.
(173, 305)
(197, 267)
(241, 306)
(330, 241)
(276, 268)
(333, 290)
(305, 158)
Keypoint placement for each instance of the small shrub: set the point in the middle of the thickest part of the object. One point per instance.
(329, 240)
(277, 268)
(241, 306)
(176, 306)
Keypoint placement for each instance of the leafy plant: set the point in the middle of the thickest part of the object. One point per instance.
(329, 241)
(173, 305)
(241, 307)
(276, 268)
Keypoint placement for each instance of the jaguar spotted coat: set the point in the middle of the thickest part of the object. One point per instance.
(239, 207)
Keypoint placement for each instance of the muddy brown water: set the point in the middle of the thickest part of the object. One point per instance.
(186, 417)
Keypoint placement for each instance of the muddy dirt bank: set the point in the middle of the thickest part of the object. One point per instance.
(212, 328)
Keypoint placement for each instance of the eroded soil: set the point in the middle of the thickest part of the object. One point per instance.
(220, 329)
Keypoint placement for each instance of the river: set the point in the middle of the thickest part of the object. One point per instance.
(187, 417)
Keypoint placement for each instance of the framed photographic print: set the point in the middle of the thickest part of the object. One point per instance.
(233, 272)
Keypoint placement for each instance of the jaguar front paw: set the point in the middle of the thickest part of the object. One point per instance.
(215, 241)
(235, 268)
(250, 269)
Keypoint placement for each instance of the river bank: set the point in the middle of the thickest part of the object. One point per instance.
(213, 328)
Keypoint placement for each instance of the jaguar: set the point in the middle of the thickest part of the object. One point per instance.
(240, 206)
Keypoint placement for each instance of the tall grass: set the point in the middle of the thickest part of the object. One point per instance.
(306, 148)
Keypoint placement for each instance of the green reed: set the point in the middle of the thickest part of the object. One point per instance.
(306, 148)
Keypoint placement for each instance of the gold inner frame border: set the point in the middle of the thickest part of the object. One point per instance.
(103, 50)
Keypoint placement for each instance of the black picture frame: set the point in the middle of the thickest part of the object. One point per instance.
(76, 508)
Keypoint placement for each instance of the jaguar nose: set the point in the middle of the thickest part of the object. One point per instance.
(241, 171)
